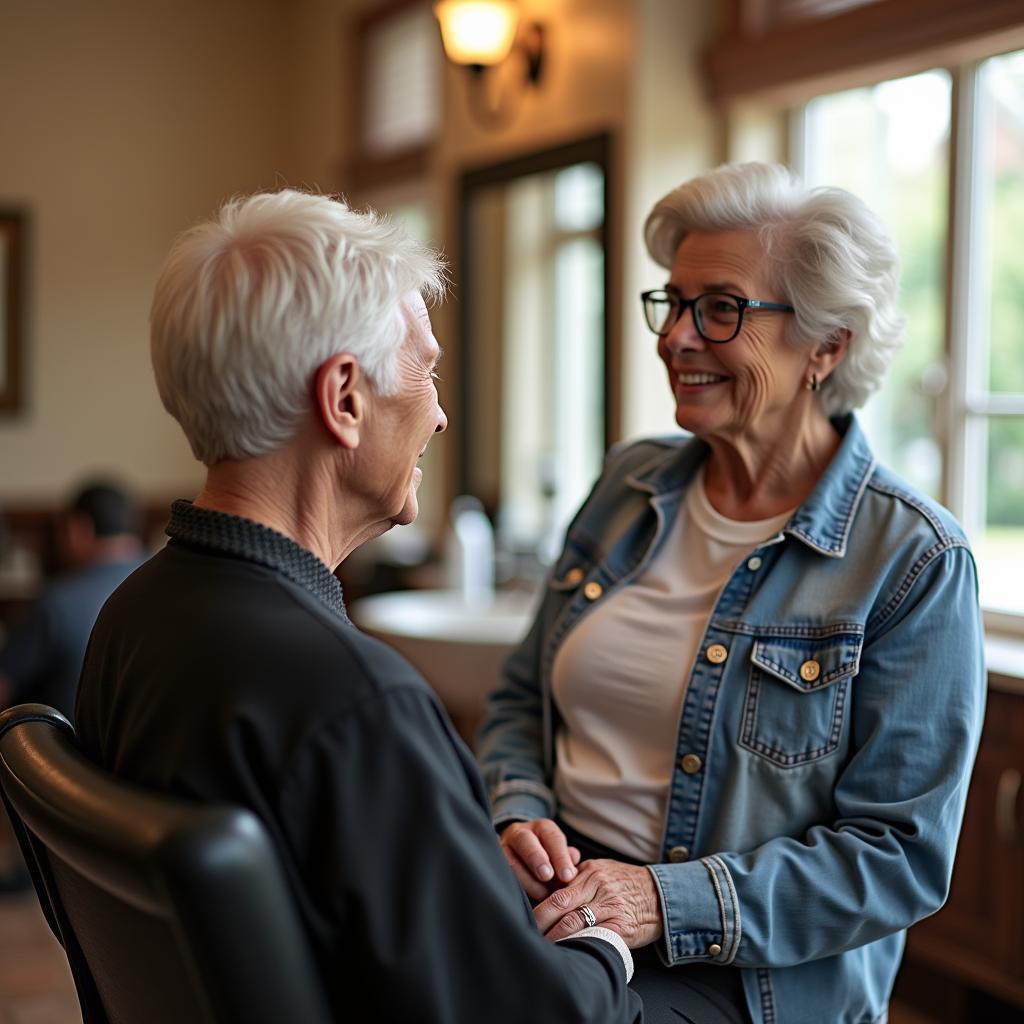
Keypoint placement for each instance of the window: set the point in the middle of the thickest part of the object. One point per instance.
(951, 416)
(394, 94)
(401, 105)
(889, 144)
(552, 397)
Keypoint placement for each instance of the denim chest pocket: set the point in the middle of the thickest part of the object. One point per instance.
(797, 696)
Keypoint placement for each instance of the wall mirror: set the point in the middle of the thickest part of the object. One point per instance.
(532, 289)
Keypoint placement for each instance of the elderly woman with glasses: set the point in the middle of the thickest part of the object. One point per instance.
(742, 726)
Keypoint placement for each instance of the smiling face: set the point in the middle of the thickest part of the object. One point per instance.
(748, 388)
(403, 423)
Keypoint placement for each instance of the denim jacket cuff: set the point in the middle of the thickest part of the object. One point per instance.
(521, 800)
(700, 911)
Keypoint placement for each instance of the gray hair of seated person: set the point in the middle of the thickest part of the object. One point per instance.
(251, 303)
(825, 252)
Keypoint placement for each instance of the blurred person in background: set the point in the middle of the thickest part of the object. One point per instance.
(41, 657)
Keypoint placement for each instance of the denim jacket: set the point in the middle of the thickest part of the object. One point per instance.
(826, 738)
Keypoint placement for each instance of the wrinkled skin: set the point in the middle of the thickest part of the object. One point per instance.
(622, 897)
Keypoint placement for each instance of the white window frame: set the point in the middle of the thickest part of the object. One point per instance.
(967, 405)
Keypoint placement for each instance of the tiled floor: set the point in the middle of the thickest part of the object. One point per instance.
(35, 983)
(36, 987)
(899, 1014)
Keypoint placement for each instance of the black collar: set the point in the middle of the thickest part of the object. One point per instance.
(244, 538)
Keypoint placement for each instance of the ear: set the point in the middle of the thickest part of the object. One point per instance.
(339, 400)
(830, 353)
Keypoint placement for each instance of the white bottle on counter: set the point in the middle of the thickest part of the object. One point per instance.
(469, 551)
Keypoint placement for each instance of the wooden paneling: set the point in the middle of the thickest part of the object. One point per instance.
(879, 40)
(978, 937)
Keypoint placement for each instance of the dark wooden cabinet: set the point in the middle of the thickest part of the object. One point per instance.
(978, 936)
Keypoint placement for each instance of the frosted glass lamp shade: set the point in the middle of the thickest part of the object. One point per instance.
(477, 31)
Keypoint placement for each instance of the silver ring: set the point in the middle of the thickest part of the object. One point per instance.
(588, 915)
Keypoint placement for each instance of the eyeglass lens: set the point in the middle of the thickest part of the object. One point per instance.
(716, 317)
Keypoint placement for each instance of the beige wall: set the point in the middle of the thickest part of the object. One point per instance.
(584, 86)
(317, 52)
(122, 121)
(671, 135)
(125, 120)
(631, 67)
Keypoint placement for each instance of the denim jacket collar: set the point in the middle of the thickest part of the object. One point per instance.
(824, 519)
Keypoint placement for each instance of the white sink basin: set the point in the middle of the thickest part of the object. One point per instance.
(458, 646)
(445, 615)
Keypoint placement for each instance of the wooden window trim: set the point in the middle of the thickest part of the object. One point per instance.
(880, 40)
(407, 165)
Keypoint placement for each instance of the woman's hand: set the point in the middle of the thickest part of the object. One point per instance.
(540, 856)
(622, 897)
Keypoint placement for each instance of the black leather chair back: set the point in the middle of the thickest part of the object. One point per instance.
(170, 912)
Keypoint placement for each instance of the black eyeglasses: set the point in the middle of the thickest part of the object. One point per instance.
(717, 316)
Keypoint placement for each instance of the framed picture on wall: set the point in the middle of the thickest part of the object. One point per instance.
(12, 307)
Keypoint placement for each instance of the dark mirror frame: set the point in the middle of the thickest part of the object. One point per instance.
(592, 149)
(13, 238)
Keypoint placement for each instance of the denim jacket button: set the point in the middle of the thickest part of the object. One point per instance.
(809, 671)
(573, 576)
(714, 949)
(690, 763)
(755, 563)
(716, 654)
(678, 854)
(592, 591)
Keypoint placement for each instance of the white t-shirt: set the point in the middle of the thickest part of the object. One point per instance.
(620, 678)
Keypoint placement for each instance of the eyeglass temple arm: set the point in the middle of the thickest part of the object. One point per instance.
(780, 306)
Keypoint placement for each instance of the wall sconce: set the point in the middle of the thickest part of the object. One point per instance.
(481, 35)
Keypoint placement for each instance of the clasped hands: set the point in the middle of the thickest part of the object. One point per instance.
(621, 896)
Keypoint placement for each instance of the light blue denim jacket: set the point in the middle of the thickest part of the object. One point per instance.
(813, 815)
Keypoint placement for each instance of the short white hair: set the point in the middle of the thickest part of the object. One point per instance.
(252, 302)
(826, 253)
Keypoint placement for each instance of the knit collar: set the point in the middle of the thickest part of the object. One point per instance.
(243, 538)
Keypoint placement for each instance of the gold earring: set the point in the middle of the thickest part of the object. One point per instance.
(813, 384)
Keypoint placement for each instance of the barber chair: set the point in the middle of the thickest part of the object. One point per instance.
(168, 911)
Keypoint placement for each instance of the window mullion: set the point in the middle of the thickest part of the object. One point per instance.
(1001, 404)
(964, 484)
(796, 140)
